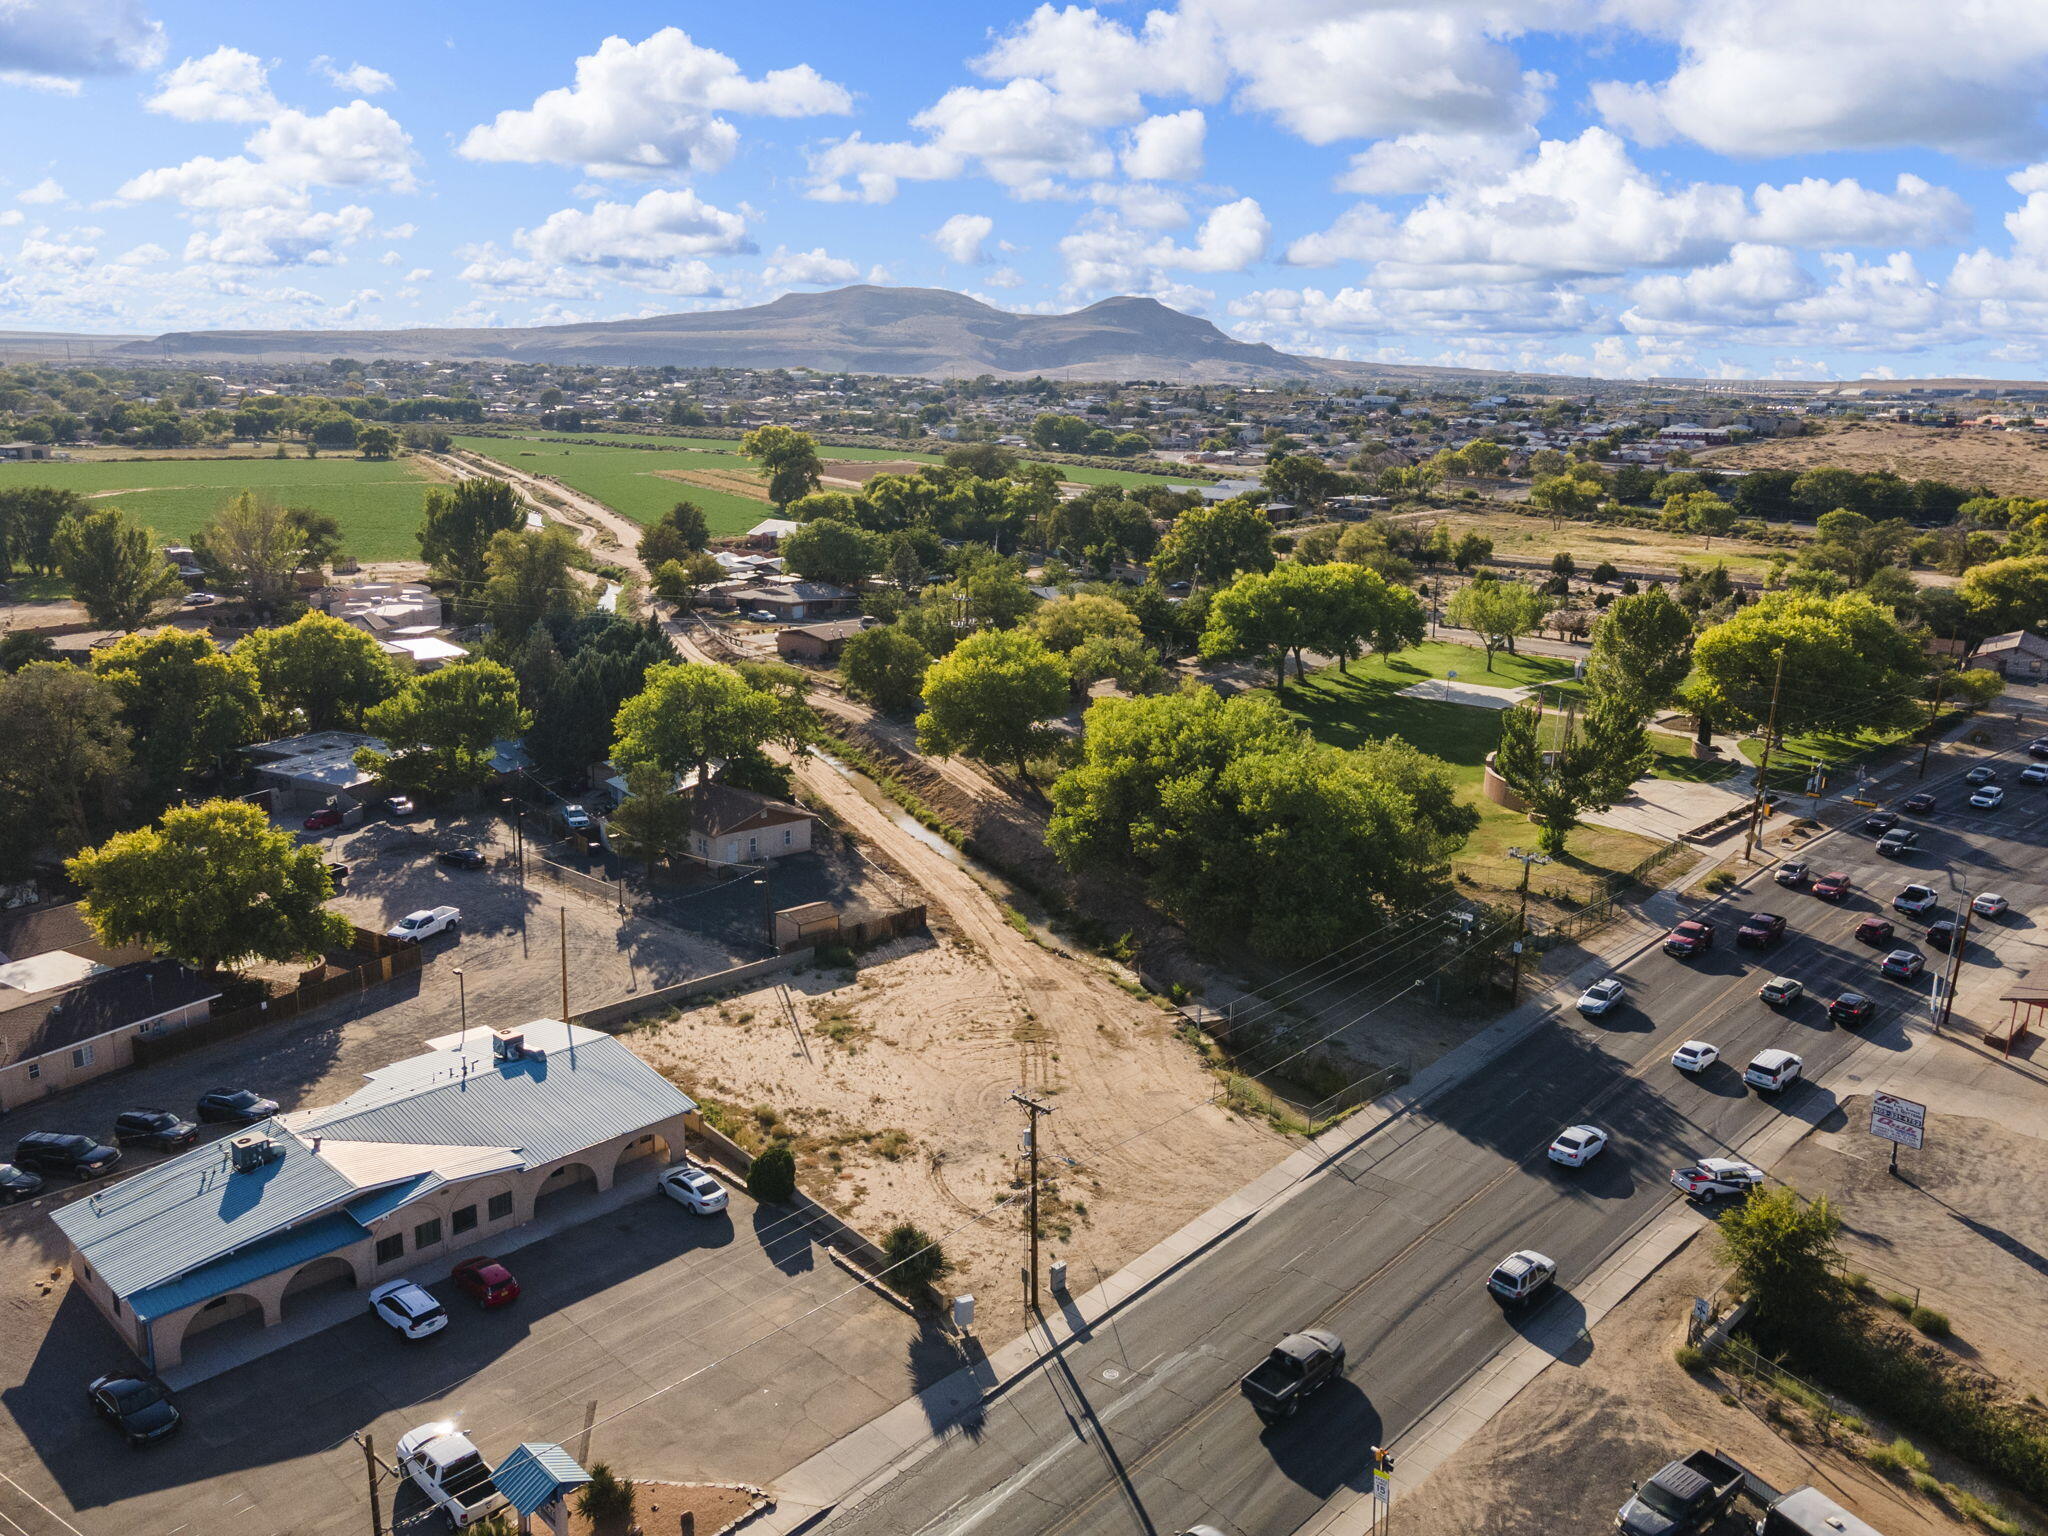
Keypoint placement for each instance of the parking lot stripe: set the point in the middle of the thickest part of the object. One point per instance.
(39, 1504)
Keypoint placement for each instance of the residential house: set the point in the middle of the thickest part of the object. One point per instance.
(434, 1160)
(71, 1008)
(729, 825)
(788, 601)
(2020, 656)
(819, 642)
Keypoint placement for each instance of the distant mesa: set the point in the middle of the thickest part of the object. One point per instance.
(865, 329)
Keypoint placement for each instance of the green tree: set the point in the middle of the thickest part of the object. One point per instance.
(211, 885)
(114, 568)
(457, 525)
(688, 713)
(681, 580)
(29, 518)
(528, 578)
(680, 532)
(2005, 595)
(772, 1177)
(1269, 615)
(1588, 767)
(319, 538)
(653, 822)
(1302, 480)
(377, 442)
(186, 704)
(1482, 456)
(1642, 651)
(1846, 662)
(440, 728)
(1067, 434)
(1211, 544)
(1359, 607)
(1497, 612)
(1065, 624)
(1472, 549)
(886, 667)
(252, 547)
(1245, 829)
(790, 460)
(1565, 496)
(1783, 1251)
(19, 647)
(990, 696)
(66, 776)
(318, 672)
(826, 549)
(1855, 547)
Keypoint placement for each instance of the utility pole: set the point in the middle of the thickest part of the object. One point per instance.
(1034, 1110)
(564, 911)
(1933, 709)
(1955, 965)
(368, 1443)
(1756, 809)
(1522, 927)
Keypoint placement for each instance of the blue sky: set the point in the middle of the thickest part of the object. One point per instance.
(1798, 188)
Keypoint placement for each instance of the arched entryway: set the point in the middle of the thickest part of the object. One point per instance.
(222, 1319)
(652, 1145)
(321, 1278)
(565, 1186)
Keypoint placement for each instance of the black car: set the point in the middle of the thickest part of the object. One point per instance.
(18, 1184)
(1983, 773)
(1919, 803)
(236, 1106)
(1942, 934)
(154, 1128)
(1880, 821)
(1851, 1008)
(460, 858)
(2038, 747)
(136, 1405)
(55, 1152)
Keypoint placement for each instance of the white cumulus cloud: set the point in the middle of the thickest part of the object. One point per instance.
(650, 106)
(962, 237)
(360, 79)
(655, 243)
(813, 267)
(48, 190)
(1231, 238)
(1167, 148)
(224, 86)
(48, 42)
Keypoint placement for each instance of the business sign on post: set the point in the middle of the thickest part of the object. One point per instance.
(1899, 1121)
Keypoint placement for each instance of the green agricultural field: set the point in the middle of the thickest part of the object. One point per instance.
(1365, 702)
(377, 503)
(628, 479)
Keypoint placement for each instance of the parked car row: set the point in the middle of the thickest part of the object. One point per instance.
(79, 1156)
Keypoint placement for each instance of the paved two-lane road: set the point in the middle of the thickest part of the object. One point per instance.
(1137, 1428)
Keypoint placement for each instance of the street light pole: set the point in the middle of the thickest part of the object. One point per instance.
(462, 995)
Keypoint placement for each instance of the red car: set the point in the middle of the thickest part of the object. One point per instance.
(1874, 930)
(1831, 887)
(487, 1281)
(322, 819)
(1695, 936)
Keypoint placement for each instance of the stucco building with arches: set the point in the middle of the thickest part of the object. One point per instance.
(431, 1161)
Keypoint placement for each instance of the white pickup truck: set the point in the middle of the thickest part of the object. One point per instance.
(424, 924)
(447, 1467)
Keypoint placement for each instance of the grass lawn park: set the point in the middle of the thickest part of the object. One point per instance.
(377, 502)
(1530, 536)
(1365, 702)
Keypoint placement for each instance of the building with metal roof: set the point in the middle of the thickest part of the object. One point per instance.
(429, 1162)
(536, 1475)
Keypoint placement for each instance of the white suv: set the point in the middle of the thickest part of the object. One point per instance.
(408, 1309)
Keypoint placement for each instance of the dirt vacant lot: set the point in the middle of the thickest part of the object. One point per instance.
(902, 1111)
(2008, 463)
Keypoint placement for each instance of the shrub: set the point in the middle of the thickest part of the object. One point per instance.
(1900, 1456)
(772, 1179)
(606, 1497)
(1689, 1357)
(1930, 1322)
(1903, 1305)
(914, 1259)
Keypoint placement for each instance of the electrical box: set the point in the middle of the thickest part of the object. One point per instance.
(963, 1313)
(1057, 1275)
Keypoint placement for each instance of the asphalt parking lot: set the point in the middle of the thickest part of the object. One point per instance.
(262, 1441)
(638, 1299)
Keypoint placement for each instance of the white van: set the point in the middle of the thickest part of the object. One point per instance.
(1772, 1070)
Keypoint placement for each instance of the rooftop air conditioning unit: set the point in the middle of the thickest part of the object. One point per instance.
(508, 1044)
(251, 1152)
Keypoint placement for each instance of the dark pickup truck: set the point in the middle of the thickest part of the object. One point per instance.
(1300, 1364)
(1686, 1495)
